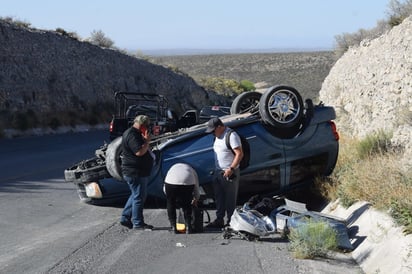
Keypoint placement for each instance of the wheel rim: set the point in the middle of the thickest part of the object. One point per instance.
(284, 106)
(249, 104)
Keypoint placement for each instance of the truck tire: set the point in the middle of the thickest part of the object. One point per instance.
(113, 161)
(245, 102)
(281, 107)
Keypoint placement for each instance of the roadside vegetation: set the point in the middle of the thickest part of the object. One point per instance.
(316, 239)
(369, 170)
(226, 87)
(397, 11)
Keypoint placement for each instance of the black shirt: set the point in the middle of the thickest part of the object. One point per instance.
(132, 165)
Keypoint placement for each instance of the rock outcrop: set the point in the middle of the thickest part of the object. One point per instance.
(46, 71)
(370, 87)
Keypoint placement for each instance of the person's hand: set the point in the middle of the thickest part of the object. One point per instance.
(146, 136)
(227, 173)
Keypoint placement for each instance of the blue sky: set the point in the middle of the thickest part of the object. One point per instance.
(212, 24)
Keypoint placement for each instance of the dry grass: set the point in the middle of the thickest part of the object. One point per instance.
(377, 178)
(315, 239)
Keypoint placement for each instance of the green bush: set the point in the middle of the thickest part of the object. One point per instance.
(247, 85)
(222, 86)
(314, 239)
(376, 143)
(402, 214)
(370, 170)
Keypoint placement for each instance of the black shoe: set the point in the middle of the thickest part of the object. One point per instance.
(127, 224)
(173, 229)
(143, 227)
(189, 229)
(216, 224)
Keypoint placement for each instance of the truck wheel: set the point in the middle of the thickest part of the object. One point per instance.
(281, 107)
(113, 161)
(245, 102)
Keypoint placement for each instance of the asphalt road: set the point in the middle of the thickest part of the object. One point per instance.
(44, 228)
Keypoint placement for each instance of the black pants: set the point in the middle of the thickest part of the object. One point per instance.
(179, 196)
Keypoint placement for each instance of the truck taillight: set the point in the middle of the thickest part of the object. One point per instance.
(111, 126)
(334, 130)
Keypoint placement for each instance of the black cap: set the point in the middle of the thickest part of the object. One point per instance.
(212, 124)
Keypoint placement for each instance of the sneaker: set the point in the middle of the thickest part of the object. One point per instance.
(216, 224)
(127, 224)
(143, 227)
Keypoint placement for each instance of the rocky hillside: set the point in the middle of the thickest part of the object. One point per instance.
(43, 73)
(371, 88)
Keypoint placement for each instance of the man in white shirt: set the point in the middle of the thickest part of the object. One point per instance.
(227, 173)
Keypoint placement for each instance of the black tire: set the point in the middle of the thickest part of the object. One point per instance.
(281, 107)
(86, 171)
(113, 161)
(245, 102)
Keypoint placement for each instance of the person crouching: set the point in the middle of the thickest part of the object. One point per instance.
(181, 187)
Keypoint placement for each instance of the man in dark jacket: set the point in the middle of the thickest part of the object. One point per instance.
(137, 164)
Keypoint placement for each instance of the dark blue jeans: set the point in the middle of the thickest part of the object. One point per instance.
(133, 210)
(225, 194)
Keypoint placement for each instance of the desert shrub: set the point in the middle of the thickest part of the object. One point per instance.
(247, 85)
(175, 69)
(397, 12)
(16, 22)
(344, 41)
(222, 86)
(97, 37)
(402, 214)
(374, 175)
(314, 239)
(376, 143)
(73, 35)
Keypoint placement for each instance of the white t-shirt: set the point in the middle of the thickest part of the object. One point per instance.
(223, 155)
(183, 174)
